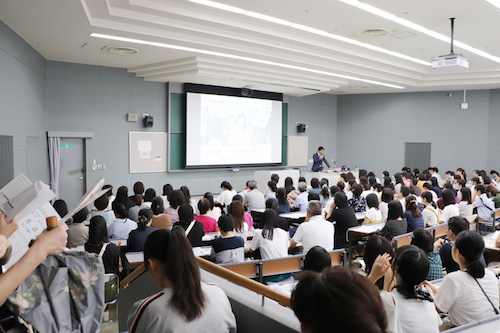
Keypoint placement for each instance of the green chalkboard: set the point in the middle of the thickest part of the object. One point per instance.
(177, 135)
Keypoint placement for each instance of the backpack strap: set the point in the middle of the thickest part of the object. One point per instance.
(103, 249)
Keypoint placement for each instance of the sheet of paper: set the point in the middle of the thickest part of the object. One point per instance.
(89, 197)
(144, 145)
(14, 187)
(30, 227)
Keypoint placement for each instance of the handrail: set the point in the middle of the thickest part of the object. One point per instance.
(243, 281)
(132, 276)
(225, 274)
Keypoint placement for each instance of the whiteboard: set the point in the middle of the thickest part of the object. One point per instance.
(148, 152)
(297, 151)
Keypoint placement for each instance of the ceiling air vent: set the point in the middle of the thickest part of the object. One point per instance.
(373, 32)
(123, 50)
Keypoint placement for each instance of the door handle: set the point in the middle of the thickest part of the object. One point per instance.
(80, 178)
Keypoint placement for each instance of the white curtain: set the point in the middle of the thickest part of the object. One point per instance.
(55, 164)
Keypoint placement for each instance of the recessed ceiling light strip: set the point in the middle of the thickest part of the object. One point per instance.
(308, 29)
(495, 3)
(420, 28)
(232, 56)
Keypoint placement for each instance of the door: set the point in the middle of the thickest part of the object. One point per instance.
(72, 173)
(418, 155)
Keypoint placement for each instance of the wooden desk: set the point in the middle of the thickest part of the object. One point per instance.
(137, 258)
(355, 233)
(489, 241)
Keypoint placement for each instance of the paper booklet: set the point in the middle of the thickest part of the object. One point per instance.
(31, 204)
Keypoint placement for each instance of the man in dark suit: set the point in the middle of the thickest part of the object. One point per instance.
(319, 158)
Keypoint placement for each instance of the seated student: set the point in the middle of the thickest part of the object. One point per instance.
(483, 204)
(160, 219)
(149, 195)
(101, 204)
(373, 214)
(271, 240)
(214, 211)
(376, 246)
(194, 229)
(133, 212)
(114, 261)
(324, 195)
(248, 216)
(274, 205)
(396, 224)
(412, 215)
(237, 210)
(301, 201)
(138, 190)
(357, 202)
(176, 200)
(398, 179)
(185, 304)
(78, 232)
(471, 293)
(187, 197)
(421, 181)
(447, 186)
(323, 303)
(226, 196)
(315, 230)
(401, 196)
(254, 199)
(430, 213)
(450, 206)
(137, 237)
(386, 197)
(316, 260)
(283, 204)
(228, 248)
(271, 186)
(428, 188)
(435, 186)
(289, 185)
(344, 218)
(456, 225)
(110, 195)
(315, 186)
(167, 190)
(123, 198)
(494, 195)
(327, 207)
(475, 181)
(122, 226)
(409, 309)
(465, 207)
(424, 240)
(61, 208)
(209, 223)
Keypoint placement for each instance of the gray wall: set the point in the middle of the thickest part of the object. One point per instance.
(372, 129)
(23, 104)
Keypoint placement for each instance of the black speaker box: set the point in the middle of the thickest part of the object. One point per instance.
(148, 121)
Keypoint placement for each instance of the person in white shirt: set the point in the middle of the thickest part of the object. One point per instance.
(122, 226)
(315, 230)
(254, 199)
(373, 214)
(301, 201)
(409, 308)
(227, 194)
(430, 213)
(272, 240)
(470, 294)
(386, 197)
(450, 206)
(483, 204)
(271, 186)
(434, 173)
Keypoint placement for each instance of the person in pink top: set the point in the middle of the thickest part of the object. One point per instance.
(209, 223)
(246, 215)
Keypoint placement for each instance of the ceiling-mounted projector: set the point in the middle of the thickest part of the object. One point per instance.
(451, 61)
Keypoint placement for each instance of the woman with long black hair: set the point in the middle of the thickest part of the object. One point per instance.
(185, 304)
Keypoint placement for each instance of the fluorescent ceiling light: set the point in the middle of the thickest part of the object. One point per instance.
(495, 3)
(254, 60)
(422, 29)
(310, 29)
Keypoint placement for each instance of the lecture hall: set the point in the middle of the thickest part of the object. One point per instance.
(263, 166)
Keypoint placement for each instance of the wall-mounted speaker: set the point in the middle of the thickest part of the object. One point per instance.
(301, 128)
(148, 121)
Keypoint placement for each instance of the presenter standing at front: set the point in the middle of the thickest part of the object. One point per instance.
(319, 158)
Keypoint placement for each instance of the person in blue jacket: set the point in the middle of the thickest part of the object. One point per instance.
(319, 158)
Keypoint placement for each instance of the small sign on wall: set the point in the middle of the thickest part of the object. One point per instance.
(67, 145)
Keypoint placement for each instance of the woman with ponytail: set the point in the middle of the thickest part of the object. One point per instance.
(185, 304)
(430, 213)
(160, 220)
(470, 294)
(409, 308)
(412, 214)
(137, 237)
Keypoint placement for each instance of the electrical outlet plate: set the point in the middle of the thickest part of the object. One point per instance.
(464, 106)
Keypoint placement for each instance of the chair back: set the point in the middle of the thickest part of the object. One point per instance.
(440, 230)
(401, 240)
(111, 287)
(248, 269)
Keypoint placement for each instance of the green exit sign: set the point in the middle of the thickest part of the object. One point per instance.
(67, 145)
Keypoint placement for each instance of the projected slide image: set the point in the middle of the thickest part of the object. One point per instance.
(234, 130)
